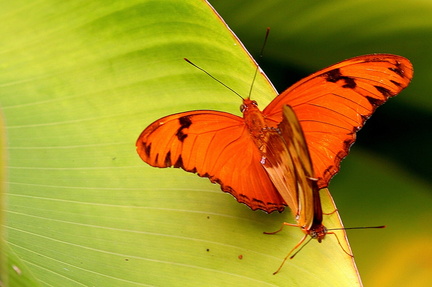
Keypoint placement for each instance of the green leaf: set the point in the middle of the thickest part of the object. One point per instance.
(79, 81)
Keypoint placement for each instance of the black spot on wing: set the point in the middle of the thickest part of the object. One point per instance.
(211, 178)
(335, 76)
(384, 91)
(185, 122)
(364, 119)
(398, 70)
(179, 162)
(374, 101)
(168, 159)
(180, 135)
(396, 83)
(349, 83)
(147, 149)
(193, 170)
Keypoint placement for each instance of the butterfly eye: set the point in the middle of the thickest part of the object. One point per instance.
(255, 103)
(242, 108)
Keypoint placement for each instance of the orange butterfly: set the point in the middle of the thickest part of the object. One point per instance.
(241, 154)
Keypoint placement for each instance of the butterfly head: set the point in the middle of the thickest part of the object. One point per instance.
(317, 232)
(248, 105)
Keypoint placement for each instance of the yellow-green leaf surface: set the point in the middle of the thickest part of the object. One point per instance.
(79, 80)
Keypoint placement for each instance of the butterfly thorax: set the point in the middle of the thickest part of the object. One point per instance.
(255, 122)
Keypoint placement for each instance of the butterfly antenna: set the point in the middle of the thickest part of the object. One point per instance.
(213, 77)
(260, 56)
(292, 250)
(298, 250)
(359, 227)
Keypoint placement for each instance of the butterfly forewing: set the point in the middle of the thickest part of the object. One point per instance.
(280, 167)
(333, 104)
(212, 144)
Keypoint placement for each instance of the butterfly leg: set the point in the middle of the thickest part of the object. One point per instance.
(280, 229)
(330, 213)
(337, 238)
(286, 257)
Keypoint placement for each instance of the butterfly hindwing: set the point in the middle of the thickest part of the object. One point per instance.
(291, 131)
(289, 166)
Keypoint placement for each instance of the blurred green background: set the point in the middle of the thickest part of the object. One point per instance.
(75, 80)
(387, 178)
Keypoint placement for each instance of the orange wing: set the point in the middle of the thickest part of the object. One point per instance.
(290, 168)
(216, 145)
(334, 103)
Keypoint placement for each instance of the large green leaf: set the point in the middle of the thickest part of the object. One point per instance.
(78, 82)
